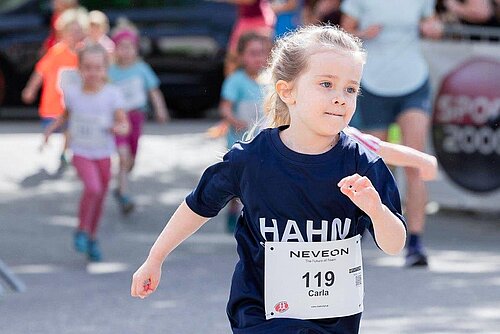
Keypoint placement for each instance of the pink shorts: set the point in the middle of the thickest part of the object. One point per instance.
(136, 119)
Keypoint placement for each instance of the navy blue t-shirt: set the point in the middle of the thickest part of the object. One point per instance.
(280, 190)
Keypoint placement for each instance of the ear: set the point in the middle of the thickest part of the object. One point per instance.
(285, 92)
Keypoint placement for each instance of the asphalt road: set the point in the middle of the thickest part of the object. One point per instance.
(459, 293)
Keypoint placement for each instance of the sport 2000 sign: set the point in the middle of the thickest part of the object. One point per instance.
(466, 125)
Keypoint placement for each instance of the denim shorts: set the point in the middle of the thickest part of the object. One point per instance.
(375, 112)
(46, 121)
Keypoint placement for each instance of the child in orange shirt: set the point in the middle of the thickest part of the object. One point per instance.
(58, 7)
(57, 69)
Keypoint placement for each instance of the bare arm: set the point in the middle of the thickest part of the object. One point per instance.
(32, 87)
(159, 105)
(404, 156)
(474, 11)
(389, 230)
(181, 225)
(351, 25)
(226, 111)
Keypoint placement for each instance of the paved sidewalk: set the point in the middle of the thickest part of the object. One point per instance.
(459, 293)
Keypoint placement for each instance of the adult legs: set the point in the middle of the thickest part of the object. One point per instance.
(414, 124)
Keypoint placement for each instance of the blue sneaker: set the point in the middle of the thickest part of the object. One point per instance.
(81, 241)
(416, 258)
(126, 204)
(94, 251)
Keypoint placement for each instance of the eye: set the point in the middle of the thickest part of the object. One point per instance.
(326, 84)
(352, 90)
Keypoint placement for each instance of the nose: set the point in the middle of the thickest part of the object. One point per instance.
(338, 100)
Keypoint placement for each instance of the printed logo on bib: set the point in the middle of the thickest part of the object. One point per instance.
(281, 307)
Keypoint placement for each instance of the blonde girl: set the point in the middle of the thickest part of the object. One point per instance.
(308, 190)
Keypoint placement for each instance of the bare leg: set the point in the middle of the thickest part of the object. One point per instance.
(414, 125)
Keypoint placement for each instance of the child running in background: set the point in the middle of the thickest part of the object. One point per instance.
(98, 30)
(288, 16)
(241, 98)
(94, 111)
(138, 82)
(58, 69)
(58, 7)
(307, 188)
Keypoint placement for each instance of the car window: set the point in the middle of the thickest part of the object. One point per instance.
(6, 5)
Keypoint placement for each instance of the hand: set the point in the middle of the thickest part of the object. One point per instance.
(240, 125)
(371, 31)
(361, 192)
(28, 95)
(162, 116)
(428, 170)
(146, 279)
(432, 28)
(120, 129)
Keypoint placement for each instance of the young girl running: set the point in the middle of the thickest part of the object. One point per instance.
(241, 97)
(308, 190)
(58, 69)
(94, 112)
(138, 83)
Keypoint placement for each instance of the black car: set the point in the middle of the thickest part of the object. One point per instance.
(183, 40)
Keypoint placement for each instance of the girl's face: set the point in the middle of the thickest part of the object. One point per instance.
(96, 31)
(324, 94)
(253, 58)
(93, 69)
(126, 52)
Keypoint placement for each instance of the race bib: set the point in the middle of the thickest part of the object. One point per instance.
(312, 280)
(88, 131)
(133, 93)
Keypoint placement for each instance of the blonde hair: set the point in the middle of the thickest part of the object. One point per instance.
(99, 18)
(74, 15)
(93, 48)
(289, 58)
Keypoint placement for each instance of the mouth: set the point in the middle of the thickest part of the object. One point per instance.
(334, 114)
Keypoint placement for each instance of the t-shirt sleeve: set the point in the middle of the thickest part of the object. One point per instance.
(68, 97)
(44, 64)
(229, 89)
(150, 77)
(383, 181)
(351, 8)
(217, 186)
